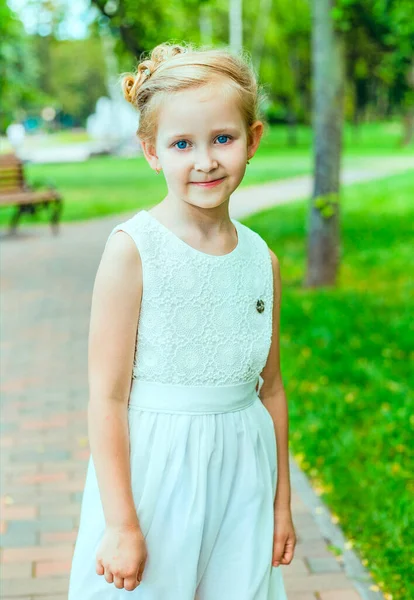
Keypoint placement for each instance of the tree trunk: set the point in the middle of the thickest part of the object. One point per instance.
(408, 115)
(236, 25)
(259, 36)
(328, 93)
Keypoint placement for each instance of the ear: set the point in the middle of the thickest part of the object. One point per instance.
(255, 134)
(150, 154)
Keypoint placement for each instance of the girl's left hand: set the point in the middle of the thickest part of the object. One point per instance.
(284, 537)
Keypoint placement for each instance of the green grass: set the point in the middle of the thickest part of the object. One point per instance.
(346, 356)
(111, 185)
(375, 139)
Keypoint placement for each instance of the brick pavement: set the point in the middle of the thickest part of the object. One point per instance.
(46, 292)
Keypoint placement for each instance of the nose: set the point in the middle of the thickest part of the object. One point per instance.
(205, 161)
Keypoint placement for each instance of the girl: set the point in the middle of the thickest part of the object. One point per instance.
(187, 492)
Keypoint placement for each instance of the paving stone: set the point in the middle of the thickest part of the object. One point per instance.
(53, 568)
(42, 524)
(297, 566)
(36, 553)
(19, 512)
(58, 537)
(340, 595)
(8, 427)
(65, 510)
(316, 582)
(312, 548)
(16, 539)
(323, 565)
(16, 571)
(55, 597)
(49, 455)
(35, 586)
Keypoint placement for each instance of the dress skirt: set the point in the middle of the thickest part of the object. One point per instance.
(203, 475)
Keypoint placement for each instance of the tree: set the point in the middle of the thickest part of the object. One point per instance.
(18, 70)
(328, 55)
(236, 25)
(388, 28)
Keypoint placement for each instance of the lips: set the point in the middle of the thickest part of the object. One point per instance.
(212, 183)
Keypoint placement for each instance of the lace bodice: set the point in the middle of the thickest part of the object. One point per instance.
(204, 319)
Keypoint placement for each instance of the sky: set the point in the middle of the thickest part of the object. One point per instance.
(36, 19)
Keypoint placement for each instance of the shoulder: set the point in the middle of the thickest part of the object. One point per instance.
(261, 243)
(275, 260)
(124, 239)
(263, 247)
(277, 282)
(254, 239)
(121, 256)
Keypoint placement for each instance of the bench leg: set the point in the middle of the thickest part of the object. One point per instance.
(56, 212)
(15, 218)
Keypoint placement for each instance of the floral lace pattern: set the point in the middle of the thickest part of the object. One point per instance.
(204, 319)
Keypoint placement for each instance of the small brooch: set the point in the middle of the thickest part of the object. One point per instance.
(260, 306)
(147, 72)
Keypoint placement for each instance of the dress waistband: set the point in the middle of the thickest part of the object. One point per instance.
(168, 398)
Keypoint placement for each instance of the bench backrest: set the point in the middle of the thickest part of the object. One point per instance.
(11, 174)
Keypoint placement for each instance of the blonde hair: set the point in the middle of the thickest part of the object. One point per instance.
(172, 68)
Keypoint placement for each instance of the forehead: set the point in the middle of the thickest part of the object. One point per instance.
(199, 109)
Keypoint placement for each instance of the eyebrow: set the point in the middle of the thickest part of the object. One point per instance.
(215, 131)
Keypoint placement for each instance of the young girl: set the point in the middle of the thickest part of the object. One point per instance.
(187, 494)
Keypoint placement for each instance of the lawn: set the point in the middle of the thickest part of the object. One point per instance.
(346, 356)
(112, 185)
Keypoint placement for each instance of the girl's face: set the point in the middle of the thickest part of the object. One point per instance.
(201, 138)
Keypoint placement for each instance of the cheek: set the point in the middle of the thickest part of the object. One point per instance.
(174, 167)
(237, 160)
(238, 153)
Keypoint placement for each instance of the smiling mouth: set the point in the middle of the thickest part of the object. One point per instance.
(207, 182)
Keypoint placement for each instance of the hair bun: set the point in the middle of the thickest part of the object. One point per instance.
(128, 83)
(160, 54)
(166, 51)
(131, 83)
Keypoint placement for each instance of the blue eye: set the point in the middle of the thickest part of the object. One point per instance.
(222, 140)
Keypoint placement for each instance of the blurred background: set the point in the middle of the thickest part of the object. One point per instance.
(331, 190)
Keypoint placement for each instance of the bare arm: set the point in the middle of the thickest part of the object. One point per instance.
(273, 396)
(116, 304)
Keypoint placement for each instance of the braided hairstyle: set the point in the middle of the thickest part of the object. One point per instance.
(173, 68)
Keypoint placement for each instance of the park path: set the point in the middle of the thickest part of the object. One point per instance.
(252, 199)
(46, 286)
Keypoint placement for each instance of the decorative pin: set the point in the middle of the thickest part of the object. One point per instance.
(260, 306)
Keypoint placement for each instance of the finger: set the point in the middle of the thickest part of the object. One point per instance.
(130, 583)
(288, 555)
(286, 558)
(278, 550)
(99, 568)
(108, 576)
(141, 571)
(118, 582)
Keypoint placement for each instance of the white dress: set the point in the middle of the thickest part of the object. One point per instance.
(202, 444)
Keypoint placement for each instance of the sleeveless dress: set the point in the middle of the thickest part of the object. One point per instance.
(202, 444)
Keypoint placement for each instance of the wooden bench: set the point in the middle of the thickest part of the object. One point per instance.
(14, 191)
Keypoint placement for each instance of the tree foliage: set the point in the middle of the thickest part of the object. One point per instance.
(18, 67)
(72, 73)
(379, 52)
(380, 36)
